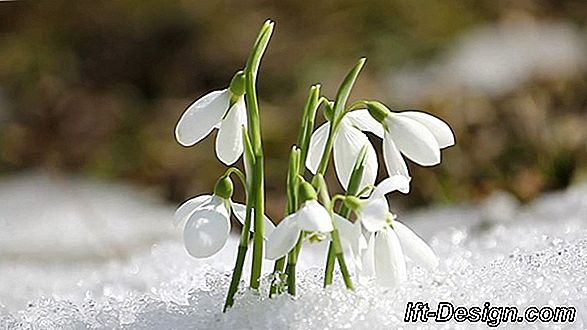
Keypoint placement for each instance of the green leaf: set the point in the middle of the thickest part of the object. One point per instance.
(345, 89)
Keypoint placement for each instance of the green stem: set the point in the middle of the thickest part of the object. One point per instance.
(327, 150)
(277, 271)
(245, 231)
(340, 258)
(258, 184)
(303, 139)
(292, 204)
(290, 270)
(353, 187)
(239, 174)
(334, 245)
(307, 125)
(342, 96)
(240, 259)
(329, 269)
(236, 276)
(258, 240)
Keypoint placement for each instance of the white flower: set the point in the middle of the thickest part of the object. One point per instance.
(384, 257)
(311, 217)
(212, 111)
(348, 142)
(418, 136)
(373, 211)
(388, 239)
(206, 223)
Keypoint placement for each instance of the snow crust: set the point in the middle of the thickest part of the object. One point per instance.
(122, 266)
(496, 59)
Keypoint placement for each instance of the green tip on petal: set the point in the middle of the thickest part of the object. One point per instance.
(224, 188)
(306, 192)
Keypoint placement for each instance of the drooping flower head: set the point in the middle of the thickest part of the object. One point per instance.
(311, 217)
(348, 142)
(417, 135)
(384, 257)
(222, 109)
(388, 240)
(206, 220)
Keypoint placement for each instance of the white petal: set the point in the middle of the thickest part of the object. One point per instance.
(189, 206)
(312, 216)
(394, 162)
(362, 240)
(414, 140)
(393, 183)
(283, 238)
(350, 238)
(205, 233)
(373, 213)
(390, 264)
(346, 230)
(344, 227)
(348, 143)
(371, 167)
(368, 258)
(220, 205)
(240, 212)
(441, 131)
(316, 147)
(201, 116)
(362, 120)
(414, 247)
(229, 141)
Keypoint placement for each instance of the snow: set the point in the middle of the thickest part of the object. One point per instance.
(496, 59)
(79, 254)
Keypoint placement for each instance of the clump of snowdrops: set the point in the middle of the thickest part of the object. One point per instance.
(358, 224)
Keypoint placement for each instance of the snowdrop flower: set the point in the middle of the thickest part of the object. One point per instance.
(348, 142)
(388, 239)
(223, 109)
(384, 256)
(206, 220)
(311, 217)
(417, 135)
(372, 212)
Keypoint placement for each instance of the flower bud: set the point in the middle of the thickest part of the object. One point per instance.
(377, 110)
(306, 192)
(352, 203)
(224, 187)
(237, 84)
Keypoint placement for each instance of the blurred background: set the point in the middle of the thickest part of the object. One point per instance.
(95, 89)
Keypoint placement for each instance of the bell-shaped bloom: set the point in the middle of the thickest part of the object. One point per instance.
(214, 110)
(418, 136)
(311, 217)
(384, 257)
(206, 223)
(348, 142)
(373, 212)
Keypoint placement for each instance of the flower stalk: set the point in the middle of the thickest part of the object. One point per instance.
(258, 181)
(344, 211)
